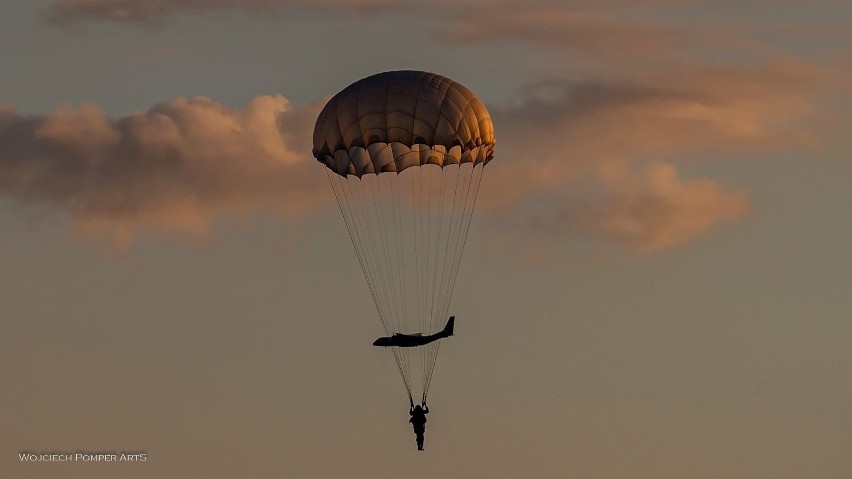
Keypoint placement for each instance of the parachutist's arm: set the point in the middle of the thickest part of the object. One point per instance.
(425, 409)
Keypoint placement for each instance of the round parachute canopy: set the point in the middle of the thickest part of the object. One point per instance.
(409, 227)
(392, 121)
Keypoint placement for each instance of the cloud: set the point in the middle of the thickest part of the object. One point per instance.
(154, 12)
(578, 157)
(583, 21)
(644, 209)
(642, 206)
(599, 158)
(618, 35)
(655, 209)
(579, 30)
(173, 168)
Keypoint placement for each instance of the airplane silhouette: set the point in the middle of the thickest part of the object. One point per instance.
(417, 339)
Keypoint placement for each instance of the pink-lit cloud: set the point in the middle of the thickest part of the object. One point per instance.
(575, 158)
(600, 158)
(591, 155)
(642, 207)
(655, 209)
(173, 167)
(152, 12)
(592, 33)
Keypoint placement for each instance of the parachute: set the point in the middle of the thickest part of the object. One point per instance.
(404, 152)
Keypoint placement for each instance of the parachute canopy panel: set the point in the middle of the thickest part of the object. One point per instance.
(395, 120)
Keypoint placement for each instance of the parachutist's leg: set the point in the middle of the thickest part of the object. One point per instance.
(420, 431)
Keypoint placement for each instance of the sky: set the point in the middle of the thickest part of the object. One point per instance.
(656, 278)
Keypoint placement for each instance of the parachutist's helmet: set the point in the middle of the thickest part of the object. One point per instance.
(417, 408)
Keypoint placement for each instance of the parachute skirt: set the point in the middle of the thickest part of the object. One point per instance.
(396, 157)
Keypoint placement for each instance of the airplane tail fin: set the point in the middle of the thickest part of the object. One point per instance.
(448, 329)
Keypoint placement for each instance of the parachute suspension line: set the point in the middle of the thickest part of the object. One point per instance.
(467, 228)
(416, 247)
(352, 237)
(379, 209)
(440, 290)
(438, 285)
(357, 243)
(399, 266)
(460, 237)
(379, 212)
(365, 246)
(432, 271)
(420, 211)
(399, 243)
(457, 262)
(369, 249)
(424, 270)
(449, 261)
(449, 243)
(377, 244)
(417, 216)
(438, 232)
(397, 354)
(464, 235)
(452, 243)
(374, 260)
(383, 249)
(430, 245)
(435, 261)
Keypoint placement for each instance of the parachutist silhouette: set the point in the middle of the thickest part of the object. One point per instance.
(418, 421)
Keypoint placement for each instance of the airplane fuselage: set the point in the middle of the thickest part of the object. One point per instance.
(413, 340)
(407, 340)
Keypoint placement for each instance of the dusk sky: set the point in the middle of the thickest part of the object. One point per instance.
(656, 284)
